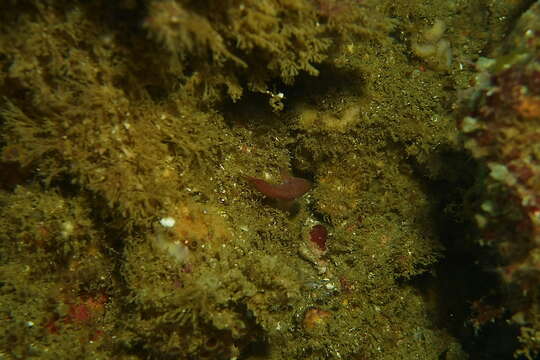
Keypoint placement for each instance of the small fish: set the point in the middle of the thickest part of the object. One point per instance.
(291, 188)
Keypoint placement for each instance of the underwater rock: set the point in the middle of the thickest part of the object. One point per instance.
(502, 129)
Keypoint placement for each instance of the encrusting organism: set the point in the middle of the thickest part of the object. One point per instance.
(318, 235)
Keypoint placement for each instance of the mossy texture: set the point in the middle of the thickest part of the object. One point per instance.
(128, 228)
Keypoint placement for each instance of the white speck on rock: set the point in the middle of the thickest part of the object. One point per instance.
(167, 222)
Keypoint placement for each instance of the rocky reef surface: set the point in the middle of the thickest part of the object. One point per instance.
(269, 179)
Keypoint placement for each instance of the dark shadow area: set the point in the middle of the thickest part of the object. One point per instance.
(331, 82)
(313, 90)
(464, 292)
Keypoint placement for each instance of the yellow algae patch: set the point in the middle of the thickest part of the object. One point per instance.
(433, 48)
(192, 229)
(344, 193)
(339, 121)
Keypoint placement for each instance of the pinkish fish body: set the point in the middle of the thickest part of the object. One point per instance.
(292, 188)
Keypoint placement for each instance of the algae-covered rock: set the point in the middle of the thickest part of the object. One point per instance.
(132, 133)
(502, 129)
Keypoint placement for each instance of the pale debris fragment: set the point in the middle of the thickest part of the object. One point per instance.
(167, 222)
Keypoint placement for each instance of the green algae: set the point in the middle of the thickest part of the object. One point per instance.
(131, 113)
